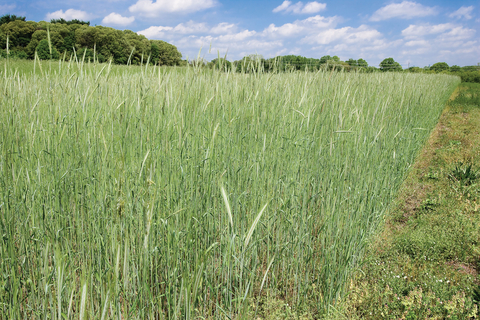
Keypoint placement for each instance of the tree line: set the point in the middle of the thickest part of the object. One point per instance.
(288, 63)
(66, 39)
(256, 63)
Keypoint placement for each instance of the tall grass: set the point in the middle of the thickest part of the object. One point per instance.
(169, 195)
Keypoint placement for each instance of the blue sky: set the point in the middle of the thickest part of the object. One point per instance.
(413, 33)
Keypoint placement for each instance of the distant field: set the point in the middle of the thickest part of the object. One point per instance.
(29, 67)
(179, 193)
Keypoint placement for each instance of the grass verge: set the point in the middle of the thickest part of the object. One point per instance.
(425, 264)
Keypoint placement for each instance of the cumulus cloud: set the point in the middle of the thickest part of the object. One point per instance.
(242, 43)
(236, 37)
(283, 6)
(224, 27)
(442, 31)
(305, 26)
(116, 19)
(318, 36)
(190, 27)
(415, 31)
(149, 8)
(416, 43)
(444, 41)
(300, 8)
(465, 12)
(458, 33)
(156, 32)
(287, 30)
(281, 39)
(5, 8)
(319, 22)
(70, 14)
(347, 35)
(403, 10)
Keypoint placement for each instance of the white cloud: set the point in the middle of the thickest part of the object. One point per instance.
(191, 27)
(235, 37)
(149, 8)
(70, 14)
(116, 19)
(462, 12)
(224, 27)
(287, 30)
(419, 50)
(300, 8)
(346, 35)
(154, 32)
(445, 31)
(447, 42)
(415, 31)
(241, 43)
(6, 8)
(319, 22)
(304, 27)
(283, 39)
(458, 33)
(283, 6)
(403, 10)
(314, 7)
(416, 43)
(316, 36)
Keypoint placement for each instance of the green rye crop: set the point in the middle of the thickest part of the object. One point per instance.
(185, 193)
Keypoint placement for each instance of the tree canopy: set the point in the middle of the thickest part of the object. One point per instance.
(455, 68)
(9, 18)
(43, 51)
(78, 37)
(389, 64)
(255, 62)
(440, 66)
(74, 21)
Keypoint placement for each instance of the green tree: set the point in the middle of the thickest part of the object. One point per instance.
(324, 59)
(140, 45)
(154, 53)
(362, 63)
(43, 51)
(102, 42)
(415, 70)
(389, 64)
(250, 63)
(471, 68)
(3, 40)
(292, 62)
(455, 68)
(62, 37)
(19, 32)
(168, 54)
(351, 62)
(37, 36)
(9, 18)
(74, 21)
(221, 64)
(439, 67)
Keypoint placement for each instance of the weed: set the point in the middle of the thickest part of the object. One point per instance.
(464, 174)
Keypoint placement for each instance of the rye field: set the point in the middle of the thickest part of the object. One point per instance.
(187, 193)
